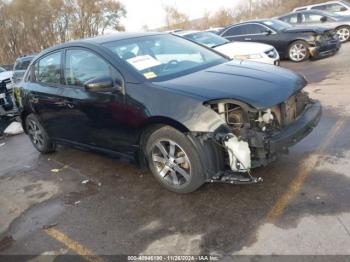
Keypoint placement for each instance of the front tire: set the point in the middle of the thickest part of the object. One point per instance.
(174, 161)
(343, 33)
(298, 51)
(38, 136)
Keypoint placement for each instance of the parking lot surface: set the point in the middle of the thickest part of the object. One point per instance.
(74, 202)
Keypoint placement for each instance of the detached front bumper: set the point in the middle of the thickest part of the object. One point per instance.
(327, 49)
(297, 130)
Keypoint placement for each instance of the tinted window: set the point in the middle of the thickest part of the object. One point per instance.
(330, 7)
(310, 18)
(253, 29)
(236, 30)
(48, 69)
(291, 19)
(82, 65)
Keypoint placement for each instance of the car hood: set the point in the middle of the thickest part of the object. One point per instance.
(259, 85)
(243, 48)
(306, 29)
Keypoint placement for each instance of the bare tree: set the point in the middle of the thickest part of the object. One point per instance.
(175, 19)
(32, 25)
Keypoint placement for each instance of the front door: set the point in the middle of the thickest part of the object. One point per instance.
(96, 118)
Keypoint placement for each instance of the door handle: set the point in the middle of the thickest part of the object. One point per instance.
(247, 39)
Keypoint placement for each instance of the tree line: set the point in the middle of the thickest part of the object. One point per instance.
(29, 26)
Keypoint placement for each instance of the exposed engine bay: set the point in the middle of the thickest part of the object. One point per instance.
(249, 145)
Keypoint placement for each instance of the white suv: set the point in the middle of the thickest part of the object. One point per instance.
(338, 7)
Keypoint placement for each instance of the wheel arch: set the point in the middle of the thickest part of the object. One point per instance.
(151, 125)
(23, 116)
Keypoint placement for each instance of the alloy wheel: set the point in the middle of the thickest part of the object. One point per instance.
(343, 34)
(35, 133)
(171, 163)
(298, 52)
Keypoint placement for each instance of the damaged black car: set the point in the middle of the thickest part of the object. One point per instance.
(188, 113)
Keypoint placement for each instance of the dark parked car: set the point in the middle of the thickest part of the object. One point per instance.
(20, 67)
(297, 44)
(320, 18)
(187, 112)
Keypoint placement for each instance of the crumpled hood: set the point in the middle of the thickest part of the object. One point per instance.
(257, 84)
(307, 29)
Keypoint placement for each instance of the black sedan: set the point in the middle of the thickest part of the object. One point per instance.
(295, 43)
(186, 112)
(320, 18)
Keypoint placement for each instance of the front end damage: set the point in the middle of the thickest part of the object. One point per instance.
(255, 137)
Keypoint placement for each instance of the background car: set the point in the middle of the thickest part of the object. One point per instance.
(168, 103)
(338, 7)
(320, 18)
(5, 90)
(20, 67)
(215, 30)
(235, 50)
(297, 44)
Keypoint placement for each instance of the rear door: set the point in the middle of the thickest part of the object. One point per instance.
(46, 89)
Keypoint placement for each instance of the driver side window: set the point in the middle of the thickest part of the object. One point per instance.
(83, 65)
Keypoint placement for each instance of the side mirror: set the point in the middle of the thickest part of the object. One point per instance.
(102, 84)
(323, 19)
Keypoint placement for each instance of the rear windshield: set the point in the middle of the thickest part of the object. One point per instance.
(22, 64)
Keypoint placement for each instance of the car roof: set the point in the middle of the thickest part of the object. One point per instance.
(258, 21)
(25, 57)
(308, 11)
(116, 37)
(318, 4)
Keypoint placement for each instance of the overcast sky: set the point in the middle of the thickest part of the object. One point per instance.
(151, 12)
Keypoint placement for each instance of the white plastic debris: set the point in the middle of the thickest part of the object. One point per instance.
(85, 181)
(239, 154)
(14, 128)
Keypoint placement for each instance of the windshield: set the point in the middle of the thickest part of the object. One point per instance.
(207, 38)
(2, 69)
(277, 24)
(164, 56)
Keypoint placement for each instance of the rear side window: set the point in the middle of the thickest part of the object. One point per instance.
(83, 65)
(233, 31)
(48, 69)
(22, 64)
(291, 19)
(311, 18)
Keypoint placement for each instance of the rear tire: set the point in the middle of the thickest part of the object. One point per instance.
(298, 51)
(38, 136)
(343, 33)
(174, 160)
